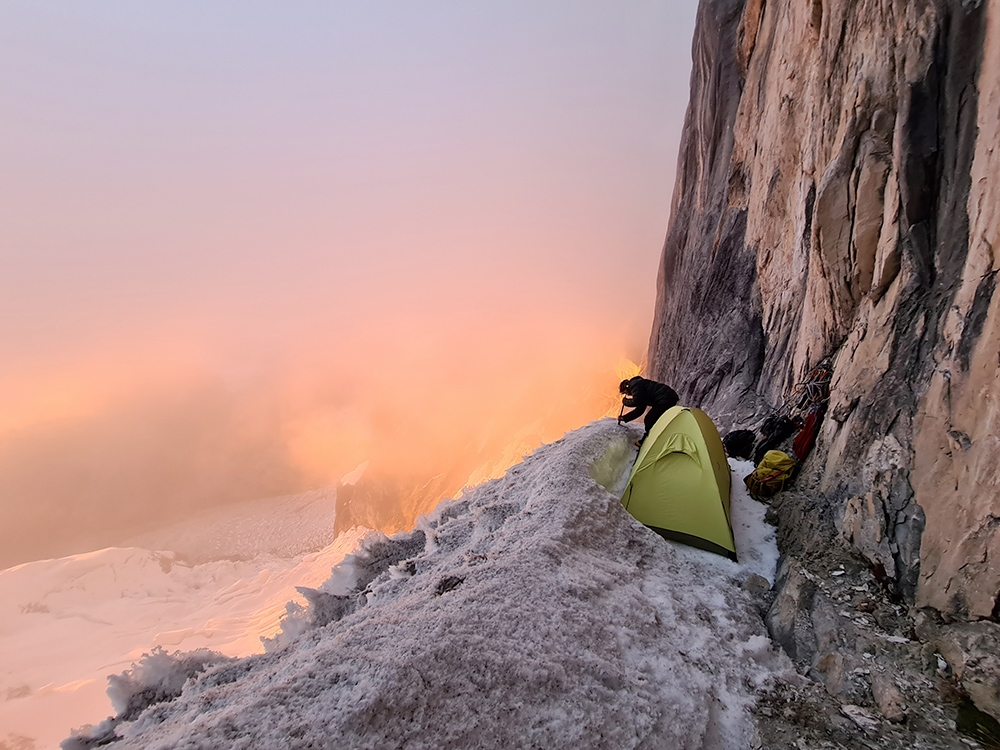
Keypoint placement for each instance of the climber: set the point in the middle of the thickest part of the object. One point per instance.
(639, 393)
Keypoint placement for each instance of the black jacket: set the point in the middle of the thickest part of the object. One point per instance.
(643, 393)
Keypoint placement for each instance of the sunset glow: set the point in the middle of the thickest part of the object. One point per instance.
(244, 249)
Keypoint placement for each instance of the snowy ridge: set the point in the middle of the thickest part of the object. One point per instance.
(532, 612)
(287, 526)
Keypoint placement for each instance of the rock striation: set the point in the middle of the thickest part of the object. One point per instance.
(838, 198)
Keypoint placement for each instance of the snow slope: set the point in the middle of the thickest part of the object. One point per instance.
(65, 624)
(284, 527)
(532, 612)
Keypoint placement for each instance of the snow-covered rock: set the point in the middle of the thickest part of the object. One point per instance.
(531, 612)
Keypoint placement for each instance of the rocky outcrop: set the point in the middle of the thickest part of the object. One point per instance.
(836, 198)
(971, 652)
(707, 337)
(956, 443)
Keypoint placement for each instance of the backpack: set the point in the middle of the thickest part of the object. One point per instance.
(739, 443)
(773, 433)
(807, 435)
(772, 473)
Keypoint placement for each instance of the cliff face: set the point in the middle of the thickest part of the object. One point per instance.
(837, 196)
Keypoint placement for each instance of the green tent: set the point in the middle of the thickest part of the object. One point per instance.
(679, 486)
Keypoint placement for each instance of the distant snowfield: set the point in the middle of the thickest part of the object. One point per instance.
(66, 624)
(532, 611)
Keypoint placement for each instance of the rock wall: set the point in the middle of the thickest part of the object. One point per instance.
(837, 196)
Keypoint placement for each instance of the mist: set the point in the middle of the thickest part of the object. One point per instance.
(245, 250)
(418, 408)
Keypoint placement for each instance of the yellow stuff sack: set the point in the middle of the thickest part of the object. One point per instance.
(772, 473)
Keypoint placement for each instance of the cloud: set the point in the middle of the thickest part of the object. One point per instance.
(431, 404)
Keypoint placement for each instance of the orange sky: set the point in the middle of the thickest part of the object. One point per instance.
(244, 248)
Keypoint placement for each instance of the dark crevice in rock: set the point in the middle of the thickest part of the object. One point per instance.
(807, 228)
(976, 318)
(973, 723)
(816, 18)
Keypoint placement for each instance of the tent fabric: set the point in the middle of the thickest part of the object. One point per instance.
(679, 485)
